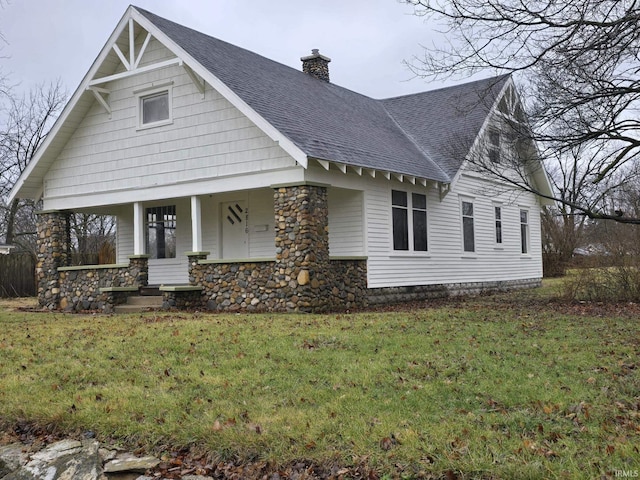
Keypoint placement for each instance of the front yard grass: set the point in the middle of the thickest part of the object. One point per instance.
(505, 386)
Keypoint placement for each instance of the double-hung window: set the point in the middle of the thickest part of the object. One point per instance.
(409, 215)
(497, 210)
(524, 231)
(468, 234)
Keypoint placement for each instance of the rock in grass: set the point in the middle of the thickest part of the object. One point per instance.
(11, 458)
(129, 463)
(67, 459)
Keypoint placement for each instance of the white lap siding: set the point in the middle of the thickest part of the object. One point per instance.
(346, 219)
(445, 261)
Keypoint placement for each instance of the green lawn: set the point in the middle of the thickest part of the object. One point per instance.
(494, 387)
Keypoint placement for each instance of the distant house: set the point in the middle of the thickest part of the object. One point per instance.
(239, 183)
(5, 249)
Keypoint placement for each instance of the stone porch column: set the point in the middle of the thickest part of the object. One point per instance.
(302, 267)
(53, 245)
(138, 270)
(195, 277)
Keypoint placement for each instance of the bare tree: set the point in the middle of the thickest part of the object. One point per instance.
(93, 238)
(564, 224)
(26, 125)
(581, 65)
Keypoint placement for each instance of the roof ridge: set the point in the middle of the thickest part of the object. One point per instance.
(293, 69)
(497, 78)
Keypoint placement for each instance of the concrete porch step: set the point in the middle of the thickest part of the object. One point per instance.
(145, 300)
(141, 303)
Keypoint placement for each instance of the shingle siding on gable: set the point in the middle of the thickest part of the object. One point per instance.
(208, 139)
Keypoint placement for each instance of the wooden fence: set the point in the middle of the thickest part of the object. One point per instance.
(17, 275)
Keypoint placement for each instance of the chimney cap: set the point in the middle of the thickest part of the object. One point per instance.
(315, 53)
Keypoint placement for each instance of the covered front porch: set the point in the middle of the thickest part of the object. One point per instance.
(267, 249)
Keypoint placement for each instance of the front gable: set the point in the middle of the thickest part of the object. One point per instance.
(112, 154)
(95, 142)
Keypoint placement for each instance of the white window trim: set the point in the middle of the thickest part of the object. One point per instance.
(150, 91)
(410, 252)
(465, 253)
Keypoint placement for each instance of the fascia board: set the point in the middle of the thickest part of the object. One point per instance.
(269, 130)
(123, 23)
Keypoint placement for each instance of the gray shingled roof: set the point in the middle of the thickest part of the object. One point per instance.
(410, 135)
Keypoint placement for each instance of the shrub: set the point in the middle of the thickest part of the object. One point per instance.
(553, 265)
(620, 283)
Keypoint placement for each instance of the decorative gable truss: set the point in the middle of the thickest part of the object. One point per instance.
(131, 63)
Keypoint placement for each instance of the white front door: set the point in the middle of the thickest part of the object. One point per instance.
(234, 229)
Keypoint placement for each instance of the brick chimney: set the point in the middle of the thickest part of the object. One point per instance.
(316, 65)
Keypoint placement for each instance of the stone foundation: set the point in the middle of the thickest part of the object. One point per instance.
(182, 297)
(235, 286)
(391, 295)
(349, 283)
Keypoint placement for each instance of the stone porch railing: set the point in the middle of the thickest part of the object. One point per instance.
(256, 285)
(101, 287)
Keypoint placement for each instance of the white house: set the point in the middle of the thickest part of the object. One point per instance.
(241, 183)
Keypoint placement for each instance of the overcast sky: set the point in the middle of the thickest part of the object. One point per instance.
(367, 40)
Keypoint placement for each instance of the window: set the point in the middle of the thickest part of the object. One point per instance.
(161, 231)
(524, 230)
(403, 223)
(154, 106)
(498, 217)
(419, 204)
(468, 238)
(494, 146)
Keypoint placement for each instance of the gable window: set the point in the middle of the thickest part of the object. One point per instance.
(524, 231)
(409, 230)
(498, 218)
(161, 231)
(468, 235)
(154, 106)
(494, 146)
